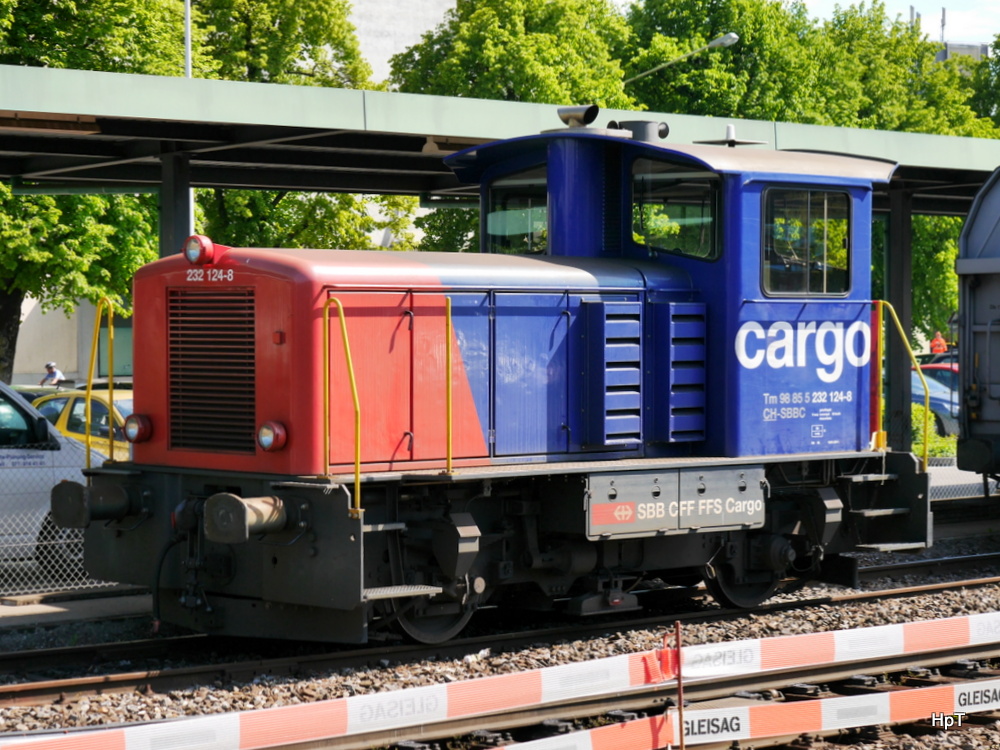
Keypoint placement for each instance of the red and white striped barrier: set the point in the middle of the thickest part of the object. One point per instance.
(400, 709)
(756, 722)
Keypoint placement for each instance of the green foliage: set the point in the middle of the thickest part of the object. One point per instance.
(558, 52)
(938, 446)
(769, 74)
(859, 69)
(119, 36)
(61, 249)
(307, 42)
(935, 283)
(986, 85)
(272, 218)
(450, 230)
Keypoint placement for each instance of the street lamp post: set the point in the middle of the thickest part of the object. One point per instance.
(726, 40)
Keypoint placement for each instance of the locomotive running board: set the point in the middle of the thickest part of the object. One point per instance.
(399, 592)
(542, 468)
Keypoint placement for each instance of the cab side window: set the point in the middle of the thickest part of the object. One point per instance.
(15, 429)
(806, 242)
(517, 219)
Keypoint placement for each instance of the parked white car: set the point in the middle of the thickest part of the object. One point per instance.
(34, 457)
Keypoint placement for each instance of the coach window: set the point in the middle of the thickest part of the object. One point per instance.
(516, 222)
(675, 209)
(806, 242)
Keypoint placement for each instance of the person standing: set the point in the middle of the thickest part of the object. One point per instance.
(938, 344)
(53, 375)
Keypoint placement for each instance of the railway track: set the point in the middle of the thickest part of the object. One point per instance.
(164, 664)
(874, 677)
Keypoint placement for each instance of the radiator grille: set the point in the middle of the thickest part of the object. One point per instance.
(211, 369)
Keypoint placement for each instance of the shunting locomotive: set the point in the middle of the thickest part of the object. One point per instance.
(660, 367)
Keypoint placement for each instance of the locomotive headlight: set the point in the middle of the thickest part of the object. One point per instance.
(138, 428)
(271, 436)
(199, 249)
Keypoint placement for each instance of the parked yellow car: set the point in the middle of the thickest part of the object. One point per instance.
(67, 411)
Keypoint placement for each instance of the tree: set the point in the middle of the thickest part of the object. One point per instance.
(119, 36)
(935, 287)
(278, 218)
(307, 42)
(881, 73)
(555, 52)
(302, 42)
(63, 249)
(859, 69)
(986, 84)
(767, 75)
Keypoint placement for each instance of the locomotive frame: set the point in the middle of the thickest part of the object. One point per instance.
(659, 369)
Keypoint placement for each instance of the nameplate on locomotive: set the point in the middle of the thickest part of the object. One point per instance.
(645, 503)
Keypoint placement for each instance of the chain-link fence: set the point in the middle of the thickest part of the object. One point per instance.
(35, 555)
(38, 557)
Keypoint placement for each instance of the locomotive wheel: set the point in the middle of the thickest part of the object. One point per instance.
(431, 629)
(729, 593)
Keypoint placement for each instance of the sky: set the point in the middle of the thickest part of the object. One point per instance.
(966, 21)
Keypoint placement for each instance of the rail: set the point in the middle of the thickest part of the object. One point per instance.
(103, 303)
(356, 510)
(880, 438)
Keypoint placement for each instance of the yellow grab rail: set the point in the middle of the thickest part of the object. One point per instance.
(880, 440)
(104, 302)
(448, 378)
(356, 510)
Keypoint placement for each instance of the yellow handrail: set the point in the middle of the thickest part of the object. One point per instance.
(356, 510)
(94, 343)
(448, 378)
(880, 305)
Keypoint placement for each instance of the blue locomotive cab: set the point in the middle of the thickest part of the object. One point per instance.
(777, 249)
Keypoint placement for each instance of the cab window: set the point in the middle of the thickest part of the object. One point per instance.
(516, 222)
(15, 429)
(806, 242)
(675, 209)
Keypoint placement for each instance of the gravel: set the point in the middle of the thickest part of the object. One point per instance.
(267, 691)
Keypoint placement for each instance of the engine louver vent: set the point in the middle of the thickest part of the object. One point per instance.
(211, 369)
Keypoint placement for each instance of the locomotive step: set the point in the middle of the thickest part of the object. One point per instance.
(400, 592)
(370, 528)
(869, 477)
(877, 512)
(892, 546)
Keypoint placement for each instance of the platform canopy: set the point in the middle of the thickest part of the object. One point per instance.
(82, 130)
